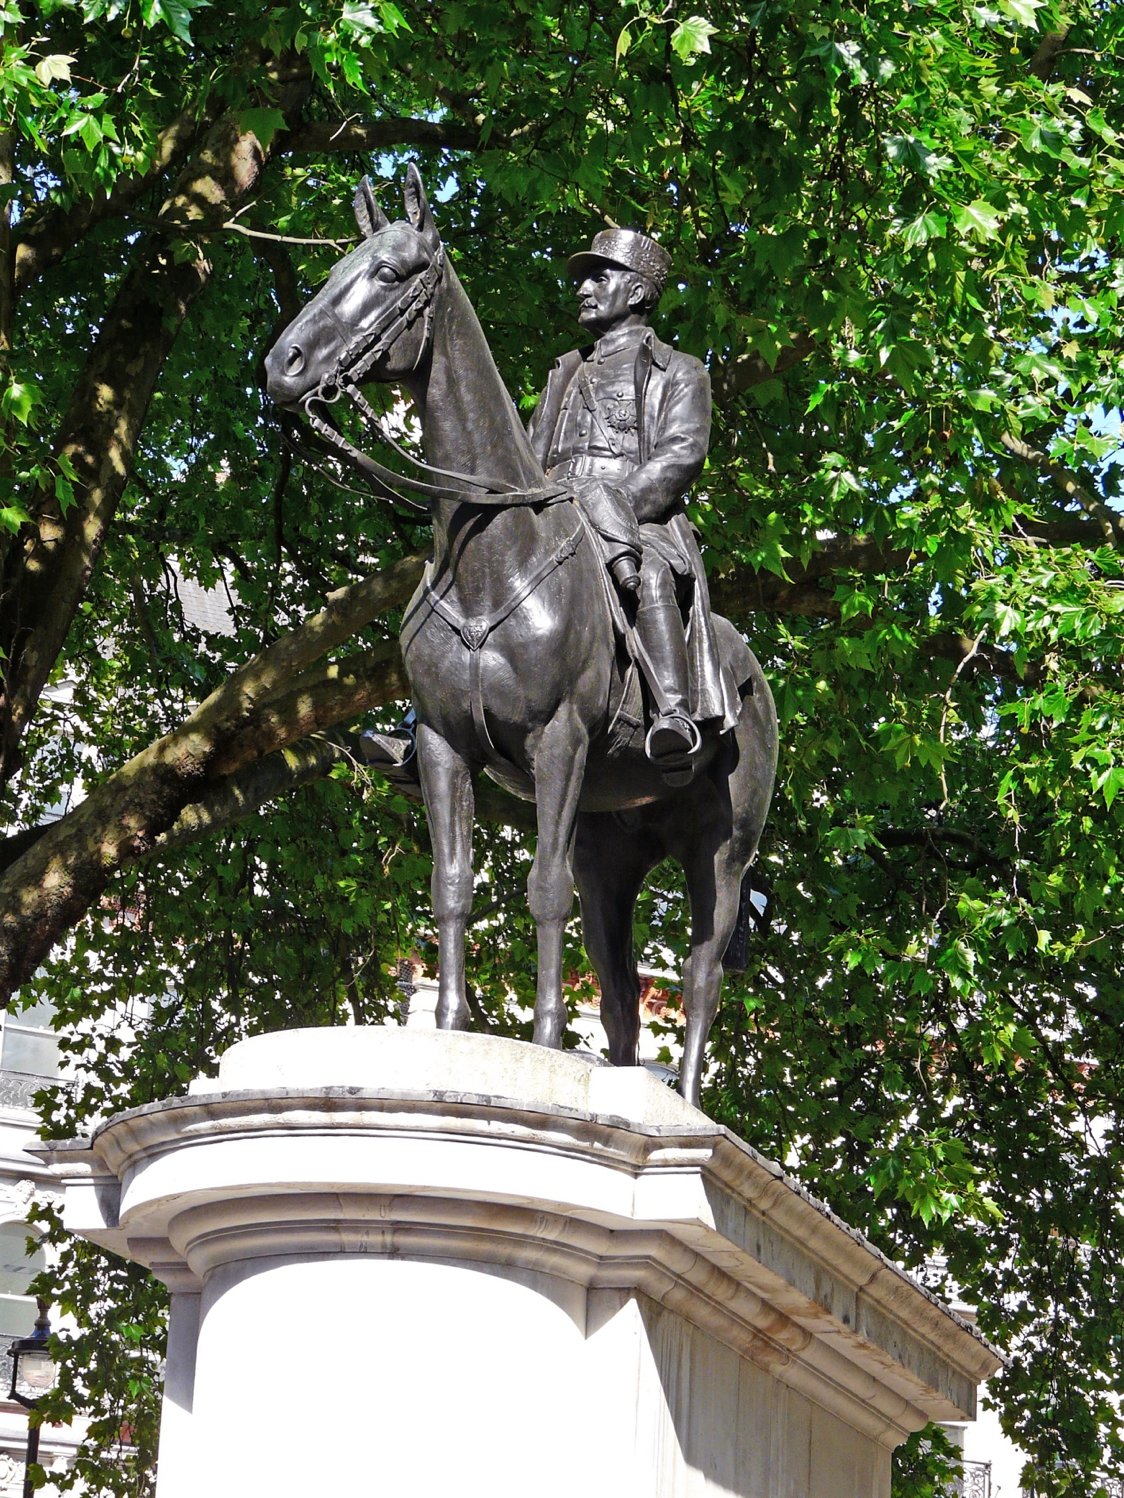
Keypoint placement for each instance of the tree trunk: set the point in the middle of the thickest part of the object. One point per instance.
(47, 576)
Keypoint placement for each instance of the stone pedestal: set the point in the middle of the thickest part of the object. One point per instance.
(424, 1264)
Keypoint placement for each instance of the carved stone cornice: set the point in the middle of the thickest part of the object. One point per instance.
(634, 1191)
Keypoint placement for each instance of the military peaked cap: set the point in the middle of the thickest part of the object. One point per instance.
(628, 249)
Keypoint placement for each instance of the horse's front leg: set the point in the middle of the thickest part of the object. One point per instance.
(447, 787)
(559, 771)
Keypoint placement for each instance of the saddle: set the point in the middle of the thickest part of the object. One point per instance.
(394, 754)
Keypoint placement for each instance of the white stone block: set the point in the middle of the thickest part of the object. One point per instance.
(425, 1263)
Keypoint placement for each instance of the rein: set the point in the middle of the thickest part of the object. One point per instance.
(353, 364)
(356, 360)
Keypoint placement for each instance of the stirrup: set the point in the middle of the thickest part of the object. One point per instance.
(394, 755)
(390, 750)
(682, 731)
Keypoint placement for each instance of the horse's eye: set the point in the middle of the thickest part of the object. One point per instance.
(387, 274)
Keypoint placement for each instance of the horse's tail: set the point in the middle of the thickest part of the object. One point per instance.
(735, 959)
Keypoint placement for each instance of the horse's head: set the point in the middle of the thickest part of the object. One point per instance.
(375, 302)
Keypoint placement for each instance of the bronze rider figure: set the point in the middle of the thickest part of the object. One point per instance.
(627, 421)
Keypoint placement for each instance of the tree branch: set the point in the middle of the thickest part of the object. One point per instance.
(45, 237)
(315, 700)
(730, 379)
(249, 789)
(1045, 59)
(318, 137)
(264, 705)
(286, 288)
(226, 755)
(303, 763)
(1110, 523)
(745, 591)
(1064, 530)
(102, 425)
(963, 651)
(228, 800)
(903, 837)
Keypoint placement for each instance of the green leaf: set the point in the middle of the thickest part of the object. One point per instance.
(176, 14)
(19, 400)
(981, 400)
(1112, 785)
(978, 218)
(816, 398)
(691, 37)
(360, 17)
(56, 65)
(13, 516)
(262, 123)
(392, 17)
(64, 492)
(926, 226)
(624, 41)
(1022, 11)
(910, 151)
(91, 132)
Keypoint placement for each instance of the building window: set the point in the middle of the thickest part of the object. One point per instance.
(17, 1269)
(28, 1044)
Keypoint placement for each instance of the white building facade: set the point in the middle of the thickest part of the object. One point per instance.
(29, 1058)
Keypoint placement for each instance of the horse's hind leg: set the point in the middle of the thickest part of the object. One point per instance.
(714, 887)
(447, 786)
(610, 864)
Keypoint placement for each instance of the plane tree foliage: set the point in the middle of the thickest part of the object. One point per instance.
(896, 230)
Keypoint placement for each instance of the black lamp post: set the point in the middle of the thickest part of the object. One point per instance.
(33, 1375)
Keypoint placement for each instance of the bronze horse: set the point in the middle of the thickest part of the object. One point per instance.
(514, 662)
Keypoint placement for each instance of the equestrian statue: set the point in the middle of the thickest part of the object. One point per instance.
(561, 640)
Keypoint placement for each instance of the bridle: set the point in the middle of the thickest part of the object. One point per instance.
(355, 362)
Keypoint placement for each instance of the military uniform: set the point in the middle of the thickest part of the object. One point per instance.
(632, 415)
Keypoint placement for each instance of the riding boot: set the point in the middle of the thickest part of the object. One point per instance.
(672, 737)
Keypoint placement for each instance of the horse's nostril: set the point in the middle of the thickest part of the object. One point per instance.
(294, 360)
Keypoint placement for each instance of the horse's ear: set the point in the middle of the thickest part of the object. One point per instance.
(417, 206)
(368, 215)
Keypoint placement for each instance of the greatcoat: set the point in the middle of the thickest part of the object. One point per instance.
(672, 431)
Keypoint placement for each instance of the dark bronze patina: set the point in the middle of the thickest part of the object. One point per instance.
(525, 659)
(627, 423)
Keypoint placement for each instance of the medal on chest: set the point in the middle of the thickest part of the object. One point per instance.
(619, 413)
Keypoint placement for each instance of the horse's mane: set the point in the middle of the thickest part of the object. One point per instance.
(473, 409)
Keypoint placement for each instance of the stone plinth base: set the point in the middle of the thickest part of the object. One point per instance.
(420, 1264)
